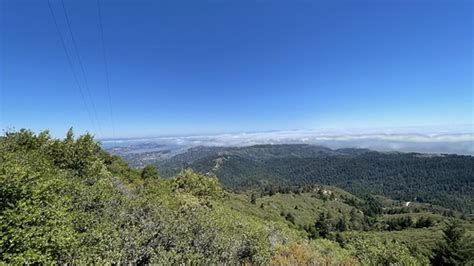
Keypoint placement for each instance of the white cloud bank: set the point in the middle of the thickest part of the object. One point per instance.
(459, 140)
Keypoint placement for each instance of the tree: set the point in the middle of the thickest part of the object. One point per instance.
(149, 172)
(253, 198)
(424, 222)
(341, 225)
(354, 219)
(198, 185)
(372, 206)
(289, 217)
(454, 249)
(322, 226)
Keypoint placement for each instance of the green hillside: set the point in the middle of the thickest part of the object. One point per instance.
(445, 180)
(69, 202)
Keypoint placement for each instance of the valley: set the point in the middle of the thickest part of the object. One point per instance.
(440, 179)
(69, 201)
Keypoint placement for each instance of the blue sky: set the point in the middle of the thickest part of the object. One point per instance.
(195, 67)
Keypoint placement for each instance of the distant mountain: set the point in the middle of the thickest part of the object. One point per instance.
(446, 180)
(258, 153)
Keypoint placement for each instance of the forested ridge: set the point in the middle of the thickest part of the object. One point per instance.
(67, 201)
(446, 180)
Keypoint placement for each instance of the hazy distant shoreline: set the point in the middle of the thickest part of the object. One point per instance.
(461, 142)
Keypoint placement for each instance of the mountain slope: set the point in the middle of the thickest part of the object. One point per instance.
(446, 180)
(69, 202)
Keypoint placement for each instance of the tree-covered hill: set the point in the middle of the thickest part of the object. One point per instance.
(446, 180)
(66, 201)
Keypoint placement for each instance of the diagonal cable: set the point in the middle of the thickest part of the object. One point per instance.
(76, 50)
(106, 67)
(71, 66)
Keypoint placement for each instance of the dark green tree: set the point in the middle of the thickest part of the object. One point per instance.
(322, 225)
(290, 218)
(372, 206)
(253, 198)
(149, 172)
(454, 249)
(341, 225)
(424, 222)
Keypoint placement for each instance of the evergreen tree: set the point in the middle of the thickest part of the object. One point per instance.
(253, 198)
(424, 222)
(372, 206)
(322, 226)
(454, 249)
(341, 225)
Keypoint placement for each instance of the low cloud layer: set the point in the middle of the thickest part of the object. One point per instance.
(454, 140)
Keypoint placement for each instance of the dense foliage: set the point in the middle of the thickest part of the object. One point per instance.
(63, 201)
(445, 180)
(69, 202)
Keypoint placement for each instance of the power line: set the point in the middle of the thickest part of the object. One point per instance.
(106, 67)
(71, 66)
(76, 50)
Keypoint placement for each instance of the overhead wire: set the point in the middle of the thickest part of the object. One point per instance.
(106, 67)
(76, 50)
(71, 66)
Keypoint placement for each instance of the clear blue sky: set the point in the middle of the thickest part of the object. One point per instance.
(185, 67)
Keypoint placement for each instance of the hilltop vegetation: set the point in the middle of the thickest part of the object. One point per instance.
(69, 202)
(445, 180)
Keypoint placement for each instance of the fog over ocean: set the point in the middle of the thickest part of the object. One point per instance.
(456, 139)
